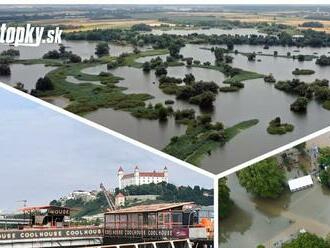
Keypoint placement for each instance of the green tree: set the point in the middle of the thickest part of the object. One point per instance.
(141, 27)
(55, 203)
(44, 84)
(146, 66)
(324, 158)
(162, 113)
(325, 177)
(102, 48)
(74, 58)
(4, 70)
(264, 179)
(219, 54)
(299, 105)
(225, 203)
(307, 240)
(174, 50)
(189, 78)
(251, 56)
(161, 70)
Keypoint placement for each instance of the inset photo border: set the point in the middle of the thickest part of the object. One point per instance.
(72, 183)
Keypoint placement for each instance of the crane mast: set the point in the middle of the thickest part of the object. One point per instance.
(108, 197)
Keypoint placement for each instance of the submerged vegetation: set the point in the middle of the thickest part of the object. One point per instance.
(277, 127)
(101, 91)
(269, 78)
(299, 105)
(319, 90)
(202, 137)
(298, 71)
(200, 93)
(86, 97)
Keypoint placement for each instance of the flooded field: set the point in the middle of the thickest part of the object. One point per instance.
(209, 31)
(26, 74)
(258, 100)
(270, 221)
(84, 49)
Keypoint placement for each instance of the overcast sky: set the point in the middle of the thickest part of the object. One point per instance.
(45, 155)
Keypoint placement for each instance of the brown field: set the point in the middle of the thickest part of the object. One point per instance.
(280, 18)
(86, 24)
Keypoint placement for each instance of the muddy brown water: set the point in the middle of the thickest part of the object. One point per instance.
(256, 221)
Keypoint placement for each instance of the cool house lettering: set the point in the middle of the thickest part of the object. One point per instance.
(31, 235)
(59, 211)
(5, 236)
(134, 232)
(50, 234)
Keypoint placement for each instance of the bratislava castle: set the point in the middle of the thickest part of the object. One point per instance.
(138, 177)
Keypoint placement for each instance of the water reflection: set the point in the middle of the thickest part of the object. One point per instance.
(154, 133)
(83, 48)
(26, 74)
(239, 221)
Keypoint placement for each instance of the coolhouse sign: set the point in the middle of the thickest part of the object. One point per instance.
(50, 234)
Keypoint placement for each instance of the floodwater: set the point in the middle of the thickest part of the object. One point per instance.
(257, 221)
(155, 132)
(83, 48)
(59, 101)
(210, 31)
(26, 74)
(257, 100)
(29, 74)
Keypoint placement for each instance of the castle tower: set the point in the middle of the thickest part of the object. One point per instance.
(137, 175)
(120, 175)
(166, 174)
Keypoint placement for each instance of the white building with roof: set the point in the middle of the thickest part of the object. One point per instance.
(300, 183)
(139, 177)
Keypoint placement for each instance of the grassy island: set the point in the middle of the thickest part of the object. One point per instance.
(202, 137)
(298, 71)
(276, 127)
(269, 78)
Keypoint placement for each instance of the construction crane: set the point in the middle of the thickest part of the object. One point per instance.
(24, 202)
(108, 197)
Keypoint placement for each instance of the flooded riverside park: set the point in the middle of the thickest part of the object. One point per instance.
(274, 222)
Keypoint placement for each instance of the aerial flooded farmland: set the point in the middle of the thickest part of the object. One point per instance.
(195, 88)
